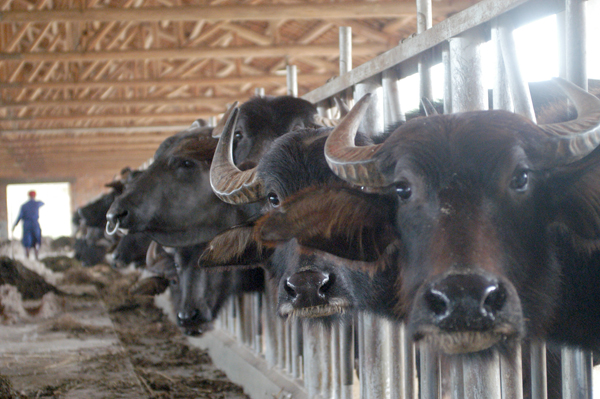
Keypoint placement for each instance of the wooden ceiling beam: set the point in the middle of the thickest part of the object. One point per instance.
(109, 118)
(198, 82)
(96, 130)
(292, 50)
(238, 12)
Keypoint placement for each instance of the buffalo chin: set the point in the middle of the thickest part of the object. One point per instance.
(463, 342)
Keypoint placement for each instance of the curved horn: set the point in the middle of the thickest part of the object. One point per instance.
(579, 137)
(428, 107)
(229, 183)
(349, 162)
(218, 130)
(151, 253)
(342, 106)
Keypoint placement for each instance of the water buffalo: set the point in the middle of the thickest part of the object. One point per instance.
(489, 209)
(197, 295)
(173, 202)
(132, 248)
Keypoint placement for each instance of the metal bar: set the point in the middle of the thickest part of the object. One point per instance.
(325, 363)
(539, 385)
(512, 375)
(257, 323)
(391, 98)
(270, 319)
(259, 91)
(576, 42)
(451, 371)
(561, 44)
(289, 360)
(429, 372)
(409, 367)
(576, 373)
(292, 80)
(336, 381)
(424, 22)
(346, 58)
(311, 359)
(468, 90)
(482, 376)
(447, 78)
(518, 86)
(372, 123)
(296, 339)
(374, 375)
(347, 357)
(501, 93)
(478, 14)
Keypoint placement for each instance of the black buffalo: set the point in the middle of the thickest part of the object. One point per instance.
(495, 216)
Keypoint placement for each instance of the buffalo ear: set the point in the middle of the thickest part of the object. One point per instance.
(344, 222)
(577, 198)
(235, 248)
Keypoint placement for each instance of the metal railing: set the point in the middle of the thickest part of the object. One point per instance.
(323, 359)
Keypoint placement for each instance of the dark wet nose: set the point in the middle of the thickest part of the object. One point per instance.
(465, 302)
(309, 288)
(196, 316)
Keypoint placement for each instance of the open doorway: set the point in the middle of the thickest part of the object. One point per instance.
(55, 215)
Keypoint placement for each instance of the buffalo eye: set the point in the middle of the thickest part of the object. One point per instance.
(238, 135)
(273, 200)
(186, 164)
(520, 180)
(174, 281)
(403, 191)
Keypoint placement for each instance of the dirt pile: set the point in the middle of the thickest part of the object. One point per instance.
(28, 283)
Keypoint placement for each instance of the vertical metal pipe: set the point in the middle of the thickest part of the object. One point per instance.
(238, 306)
(539, 385)
(452, 378)
(518, 86)
(561, 44)
(280, 332)
(311, 359)
(391, 98)
(424, 22)
(372, 122)
(231, 318)
(212, 121)
(468, 90)
(259, 91)
(347, 356)
(296, 338)
(511, 373)
(289, 360)
(429, 382)
(409, 367)
(292, 80)
(345, 49)
(336, 382)
(325, 361)
(482, 377)
(270, 317)
(257, 321)
(394, 349)
(346, 58)
(372, 362)
(576, 42)
(501, 93)
(576, 373)
(447, 78)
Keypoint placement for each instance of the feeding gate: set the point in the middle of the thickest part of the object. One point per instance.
(272, 357)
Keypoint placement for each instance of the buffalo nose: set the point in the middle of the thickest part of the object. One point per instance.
(309, 288)
(465, 302)
(187, 316)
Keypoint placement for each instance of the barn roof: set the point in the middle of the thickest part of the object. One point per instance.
(90, 86)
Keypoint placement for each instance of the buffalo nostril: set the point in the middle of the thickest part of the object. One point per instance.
(187, 315)
(494, 299)
(327, 283)
(437, 302)
(290, 289)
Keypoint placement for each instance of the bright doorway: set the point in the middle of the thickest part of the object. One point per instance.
(55, 215)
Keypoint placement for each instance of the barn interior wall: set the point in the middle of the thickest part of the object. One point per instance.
(4, 222)
(87, 187)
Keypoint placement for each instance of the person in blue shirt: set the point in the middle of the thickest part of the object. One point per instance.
(32, 233)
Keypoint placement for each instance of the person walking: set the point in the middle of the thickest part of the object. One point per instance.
(32, 233)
